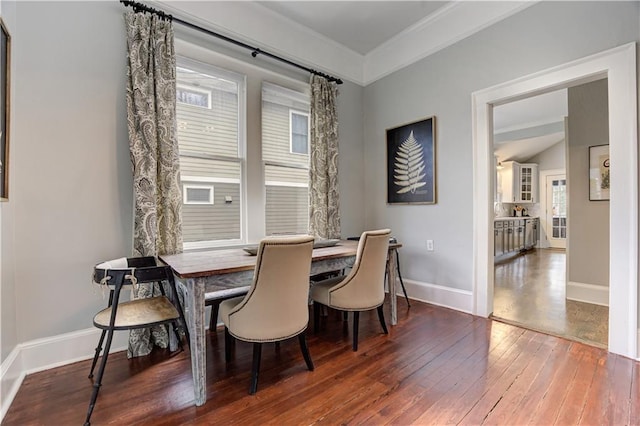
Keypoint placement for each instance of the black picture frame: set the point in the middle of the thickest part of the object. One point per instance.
(411, 163)
(599, 183)
(5, 85)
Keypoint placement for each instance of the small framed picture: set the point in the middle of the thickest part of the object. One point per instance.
(599, 173)
(411, 167)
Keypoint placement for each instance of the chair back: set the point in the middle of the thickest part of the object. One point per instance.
(276, 306)
(127, 271)
(363, 287)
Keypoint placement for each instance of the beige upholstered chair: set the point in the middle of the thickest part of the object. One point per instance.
(363, 288)
(276, 306)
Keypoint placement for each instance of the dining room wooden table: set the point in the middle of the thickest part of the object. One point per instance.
(203, 274)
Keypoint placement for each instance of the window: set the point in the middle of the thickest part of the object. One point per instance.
(299, 125)
(285, 153)
(197, 194)
(193, 96)
(210, 117)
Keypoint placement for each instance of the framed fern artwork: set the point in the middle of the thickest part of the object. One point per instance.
(411, 166)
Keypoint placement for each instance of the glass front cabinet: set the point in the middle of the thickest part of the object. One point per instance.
(518, 182)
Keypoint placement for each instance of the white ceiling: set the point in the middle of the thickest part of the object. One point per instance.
(533, 119)
(359, 25)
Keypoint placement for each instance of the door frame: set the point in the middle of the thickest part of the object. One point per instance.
(618, 65)
(544, 174)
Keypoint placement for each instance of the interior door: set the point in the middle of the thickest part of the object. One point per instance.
(556, 212)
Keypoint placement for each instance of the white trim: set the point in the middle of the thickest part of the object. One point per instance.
(51, 352)
(619, 66)
(588, 293)
(11, 377)
(453, 298)
(209, 179)
(290, 184)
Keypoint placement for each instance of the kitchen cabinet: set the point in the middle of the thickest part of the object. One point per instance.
(518, 182)
(514, 235)
(498, 233)
(531, 233)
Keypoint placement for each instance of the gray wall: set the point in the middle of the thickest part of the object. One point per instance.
(588, 242)
(552, 158)
(8, 328)
(71, 196)
(542, 36)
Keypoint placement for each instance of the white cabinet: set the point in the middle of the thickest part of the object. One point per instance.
(518, 182)
(528, 183)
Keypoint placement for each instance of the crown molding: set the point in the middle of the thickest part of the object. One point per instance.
(259, 26)
(447, 26)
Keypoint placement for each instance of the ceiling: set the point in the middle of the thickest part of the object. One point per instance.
(525, 128)
(364, 26)
(359, 25)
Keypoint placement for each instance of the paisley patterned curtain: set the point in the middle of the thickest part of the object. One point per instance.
(324, 201)
(151, 119)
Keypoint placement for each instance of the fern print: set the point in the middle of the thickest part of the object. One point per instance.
(409, 166)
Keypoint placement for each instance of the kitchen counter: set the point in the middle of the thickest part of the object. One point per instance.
(514, 217)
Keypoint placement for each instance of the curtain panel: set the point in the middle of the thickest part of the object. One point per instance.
(151, 120)
(324, 200)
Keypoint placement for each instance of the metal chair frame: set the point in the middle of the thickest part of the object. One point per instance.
(145, 270)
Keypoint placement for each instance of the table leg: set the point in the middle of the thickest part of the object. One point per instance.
(194, 301)
(391, 276)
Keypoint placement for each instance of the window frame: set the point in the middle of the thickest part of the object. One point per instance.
(187, 185)
(240, 79)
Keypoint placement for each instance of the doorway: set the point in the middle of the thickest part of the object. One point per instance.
(553, 218)
(618, 65)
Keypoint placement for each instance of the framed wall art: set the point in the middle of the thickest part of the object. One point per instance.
(599, 173)
(411, 167)
(5, 84)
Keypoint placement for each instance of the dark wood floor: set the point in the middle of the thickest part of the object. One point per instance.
(437, 366)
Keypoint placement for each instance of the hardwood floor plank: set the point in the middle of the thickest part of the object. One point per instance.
(574, 402)
(437, 366)
(493, 393)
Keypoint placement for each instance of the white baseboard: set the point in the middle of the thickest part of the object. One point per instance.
(43, 354)
(588, 293)
(460, 300)
(11, 376)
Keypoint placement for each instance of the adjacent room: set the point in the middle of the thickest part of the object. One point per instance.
(342, 212)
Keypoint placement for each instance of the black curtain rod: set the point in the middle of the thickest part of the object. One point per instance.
(255, 51)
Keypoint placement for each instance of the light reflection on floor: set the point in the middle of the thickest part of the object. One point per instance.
(529, 290)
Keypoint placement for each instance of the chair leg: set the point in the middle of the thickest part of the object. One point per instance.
(316, 316)
(345, 315)
(255, 369)
(356, 318)
(302, 338)
(229, 345)
(213, 320)
(98, 381)
(381, 318)
(404, 290)
(98, 349)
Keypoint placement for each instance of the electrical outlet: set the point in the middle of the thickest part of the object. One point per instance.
(429, 245)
